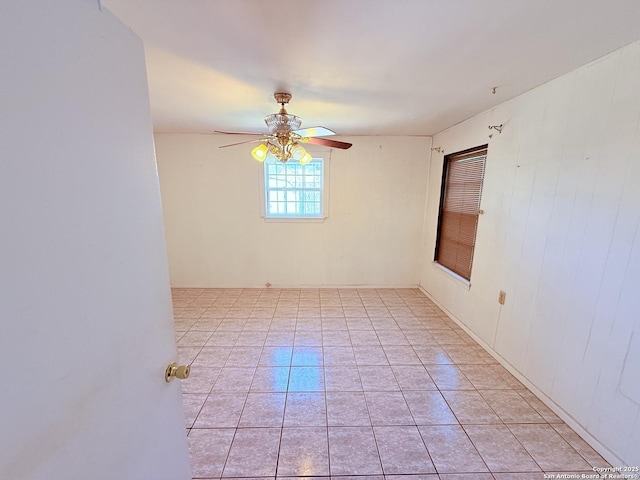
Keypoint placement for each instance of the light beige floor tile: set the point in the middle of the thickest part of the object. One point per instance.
(347, 409)
(370, 355)
(254, 452)
(305, 409)
(275, 356)
(339, 356)
(221, 410)
(413, 377)
(353, 451)
(388, 337)
(401, 355)
(279, 337)
(500, 450)
(449, 377)
(336, 338)
(253, 335)
(429, 408)
(548, 448)
(244, 357)
(307, 356)
(222, 337)
(308, 338)
(342, 379)
(187, 355)
(470, 408)
(388, 408)
(192, 405)
(537, 404)
(378, 378)
(363, 337)
(304, 452)
(511, 407)
(306, 379)
(211, 357)
(234, 379)
(583, 448)
(208, 451)
(263, 410)
(201, 380)
(430, 354)
(451, 450)
(270, 379)
(402, 450)
(483, 377)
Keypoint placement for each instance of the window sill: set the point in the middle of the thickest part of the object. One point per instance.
(452, 275)
(294, 220)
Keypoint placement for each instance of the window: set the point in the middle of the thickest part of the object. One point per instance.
(293, 190)
(462, 178)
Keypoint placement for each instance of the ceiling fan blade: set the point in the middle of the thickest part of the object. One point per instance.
(314, 132)
(238, 133)
(328, 143)
(240, 143)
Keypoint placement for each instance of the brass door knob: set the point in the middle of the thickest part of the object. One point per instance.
(176, 371)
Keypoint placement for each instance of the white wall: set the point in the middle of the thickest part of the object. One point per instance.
(560, 235)
(217, 238)
(86, 327)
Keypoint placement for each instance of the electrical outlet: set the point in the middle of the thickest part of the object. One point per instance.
(502, 297)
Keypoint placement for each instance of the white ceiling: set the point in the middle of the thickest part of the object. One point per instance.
(361, 67)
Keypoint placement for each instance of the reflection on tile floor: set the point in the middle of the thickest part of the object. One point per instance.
(355, 384)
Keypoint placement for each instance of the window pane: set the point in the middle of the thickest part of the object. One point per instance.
(294, 190)
(459, 205)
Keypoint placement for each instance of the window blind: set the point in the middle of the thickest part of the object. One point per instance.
(459, 204)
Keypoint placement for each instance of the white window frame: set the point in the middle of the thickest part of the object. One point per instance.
(317, 154)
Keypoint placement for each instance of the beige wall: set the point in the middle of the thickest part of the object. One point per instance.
(560, 235)
(217, 238)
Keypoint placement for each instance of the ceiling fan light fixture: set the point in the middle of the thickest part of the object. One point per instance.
(297, 152)
(260, 152)
(282, 154)
(306, 158)
(282, 143)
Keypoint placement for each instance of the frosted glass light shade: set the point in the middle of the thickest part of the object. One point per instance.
(306, 158)
(297, 152)
(260, 152)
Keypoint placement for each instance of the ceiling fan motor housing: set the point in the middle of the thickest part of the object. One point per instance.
(282, 123)
(282, 98)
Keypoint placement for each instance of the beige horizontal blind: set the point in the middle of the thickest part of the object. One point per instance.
(459, 205)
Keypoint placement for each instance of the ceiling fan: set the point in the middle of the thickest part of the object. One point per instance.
(283, 142)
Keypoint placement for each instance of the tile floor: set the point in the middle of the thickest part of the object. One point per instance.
(355, 384)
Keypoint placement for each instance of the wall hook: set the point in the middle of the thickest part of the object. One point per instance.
(498, 128)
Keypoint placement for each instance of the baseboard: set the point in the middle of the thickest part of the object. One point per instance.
(607, 454)
(299, 286)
